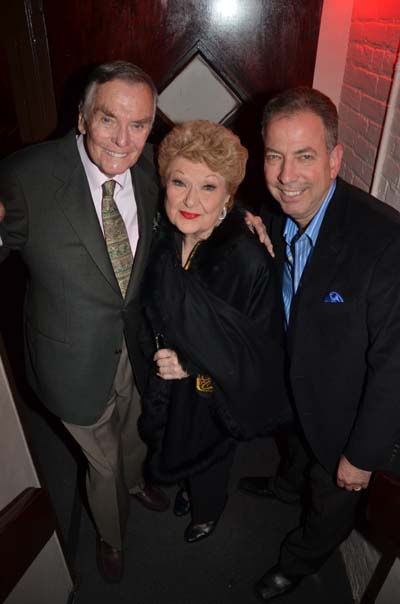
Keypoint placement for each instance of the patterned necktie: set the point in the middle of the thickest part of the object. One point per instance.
(287, 286)
(296, 253)
(116, 237)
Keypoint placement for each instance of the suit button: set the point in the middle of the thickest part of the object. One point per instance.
(118, 351)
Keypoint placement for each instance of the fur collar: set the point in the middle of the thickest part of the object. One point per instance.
(213, 252)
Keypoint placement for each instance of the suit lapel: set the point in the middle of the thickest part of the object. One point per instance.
(276, 234)
(76, 202)
(146, 195)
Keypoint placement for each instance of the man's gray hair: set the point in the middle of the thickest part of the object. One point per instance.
(302, 98)
(115, 70)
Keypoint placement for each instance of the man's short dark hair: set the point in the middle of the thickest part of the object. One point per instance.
(303, 98)
(114, 70)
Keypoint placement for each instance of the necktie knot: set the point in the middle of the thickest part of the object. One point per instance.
(108, 188)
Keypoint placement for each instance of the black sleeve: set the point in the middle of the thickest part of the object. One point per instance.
(377, 426)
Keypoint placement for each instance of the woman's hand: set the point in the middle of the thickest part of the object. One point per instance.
(168, 366)
(256, 225)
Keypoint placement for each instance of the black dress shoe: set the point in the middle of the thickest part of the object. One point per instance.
(259, 486)
(153, 498)
(196, 531)
(182, 503)
(110, 561)
(275, 583)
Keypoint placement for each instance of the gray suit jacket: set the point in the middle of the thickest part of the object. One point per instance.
(75, 317)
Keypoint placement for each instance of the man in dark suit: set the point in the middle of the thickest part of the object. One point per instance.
(80, 211)
(337, 250)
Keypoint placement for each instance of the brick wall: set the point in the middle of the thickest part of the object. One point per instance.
(371, 58)
(372, 54)
(389, 184)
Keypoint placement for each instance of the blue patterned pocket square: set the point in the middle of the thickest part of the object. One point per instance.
(333, 297)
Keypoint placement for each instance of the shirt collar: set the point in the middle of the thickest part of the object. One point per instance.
(95, 177)
(312, 230)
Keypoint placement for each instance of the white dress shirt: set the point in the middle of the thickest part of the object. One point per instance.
(124, 194)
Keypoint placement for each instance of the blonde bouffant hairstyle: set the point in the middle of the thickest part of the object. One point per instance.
(201, 141)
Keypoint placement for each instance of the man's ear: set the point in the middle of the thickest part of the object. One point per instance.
(335, 160)
(81, 120)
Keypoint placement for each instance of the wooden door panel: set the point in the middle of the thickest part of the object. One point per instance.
(269, 45)
(259, 46)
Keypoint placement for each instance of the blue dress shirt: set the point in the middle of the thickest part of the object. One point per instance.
(299, 248)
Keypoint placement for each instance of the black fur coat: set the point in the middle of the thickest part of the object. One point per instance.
(223, 317)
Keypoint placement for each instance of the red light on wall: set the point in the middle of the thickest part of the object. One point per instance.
(376, 9)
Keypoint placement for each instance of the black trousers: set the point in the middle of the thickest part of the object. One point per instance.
(208, 489)
(329, 512)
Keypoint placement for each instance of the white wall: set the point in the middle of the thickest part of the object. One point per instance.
(332, 47)
(18, 473)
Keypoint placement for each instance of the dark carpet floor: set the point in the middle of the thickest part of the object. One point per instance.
(159, 566)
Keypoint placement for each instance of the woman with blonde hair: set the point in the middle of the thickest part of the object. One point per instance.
(213, 307)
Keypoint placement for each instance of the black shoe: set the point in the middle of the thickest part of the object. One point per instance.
(275, 583)
(110, 561)
(196, 531)
(259, 486)
(182, 503)
(152, 497)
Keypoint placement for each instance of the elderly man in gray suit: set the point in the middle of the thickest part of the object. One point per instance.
(80, 211)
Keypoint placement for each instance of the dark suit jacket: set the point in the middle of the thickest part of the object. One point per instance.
(345, 357)
(75, 316)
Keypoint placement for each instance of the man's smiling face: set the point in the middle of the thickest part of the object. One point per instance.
(298, 166)
(117, 124)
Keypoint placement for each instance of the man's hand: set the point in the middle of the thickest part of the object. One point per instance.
(351, 478)
(168, 366)
(2, 211)
(256, 225)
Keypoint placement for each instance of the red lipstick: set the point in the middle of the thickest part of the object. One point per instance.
(189, 215)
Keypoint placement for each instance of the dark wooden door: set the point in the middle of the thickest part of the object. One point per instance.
(256, 46)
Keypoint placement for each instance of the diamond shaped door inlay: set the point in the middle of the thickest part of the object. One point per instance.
(197, 92)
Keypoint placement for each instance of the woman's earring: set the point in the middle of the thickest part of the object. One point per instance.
(223, 214)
